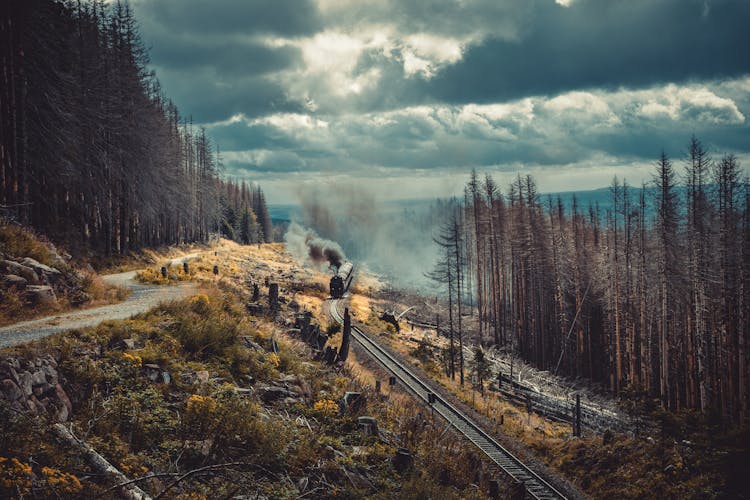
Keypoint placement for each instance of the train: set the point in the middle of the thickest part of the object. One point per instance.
(341, 280)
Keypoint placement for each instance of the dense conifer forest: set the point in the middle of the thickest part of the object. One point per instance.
(650, 297)
(92, 153)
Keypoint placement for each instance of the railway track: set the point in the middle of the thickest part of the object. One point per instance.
(534, 485)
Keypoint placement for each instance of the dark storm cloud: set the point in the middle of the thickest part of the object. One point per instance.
(212, 59)
(442, 17)
(208, 95)
(602, 44)
(230, 56)
(242, 136)
(277, 17)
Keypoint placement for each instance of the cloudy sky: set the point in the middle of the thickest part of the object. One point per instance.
(410, 95)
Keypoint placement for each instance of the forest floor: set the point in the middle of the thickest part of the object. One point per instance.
(202, 396)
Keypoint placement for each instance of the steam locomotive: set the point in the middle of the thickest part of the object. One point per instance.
(341, 280)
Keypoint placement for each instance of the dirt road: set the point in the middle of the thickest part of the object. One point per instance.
(142, 298)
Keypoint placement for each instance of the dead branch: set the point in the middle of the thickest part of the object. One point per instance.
(100, 464)
(196, 471)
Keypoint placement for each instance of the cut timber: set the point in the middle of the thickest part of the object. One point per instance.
(99, 464)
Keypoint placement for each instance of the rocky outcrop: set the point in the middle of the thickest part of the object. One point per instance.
(9, 267)
(35, 386)
(49, 274)
(40, 294)
(13, 281)
(40, 283)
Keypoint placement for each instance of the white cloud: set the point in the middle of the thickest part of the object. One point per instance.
(424, 54)
(572, 140)
(693, 104)
(292, 121)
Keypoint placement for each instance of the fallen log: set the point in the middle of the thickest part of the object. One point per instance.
(100, 464)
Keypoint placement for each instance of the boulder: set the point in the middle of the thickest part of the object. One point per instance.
(50, 374)
(188, 377)
(40, 294)
(10, 267)
(273, 393)
(128, 344)
(42, 270)
(10, 391)
(90, 351)
(35, 406)
(202, 376)
(67, 406)
(25, 383)
(14, 363)
(13, 281)
(38, 378)
(8, 370)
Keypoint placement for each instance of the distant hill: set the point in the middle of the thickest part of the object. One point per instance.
(600, 196)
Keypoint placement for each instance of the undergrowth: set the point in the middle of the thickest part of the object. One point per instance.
(210, 415)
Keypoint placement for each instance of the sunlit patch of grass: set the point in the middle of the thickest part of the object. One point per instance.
(18, 241)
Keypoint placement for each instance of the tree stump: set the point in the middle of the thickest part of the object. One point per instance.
(273, 296)
(368, 425)
(403, 460)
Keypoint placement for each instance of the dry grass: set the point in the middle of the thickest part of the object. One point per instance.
(18, 241)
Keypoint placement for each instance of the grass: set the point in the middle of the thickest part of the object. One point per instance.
(283, 450)
(18, 241)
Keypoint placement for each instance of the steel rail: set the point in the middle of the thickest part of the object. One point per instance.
(534, 485)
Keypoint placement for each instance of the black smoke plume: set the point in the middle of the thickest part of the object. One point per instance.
(306, 245)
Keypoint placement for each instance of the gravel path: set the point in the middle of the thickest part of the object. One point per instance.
(142, 298)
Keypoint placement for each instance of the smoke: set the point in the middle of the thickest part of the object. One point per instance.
(391, 238)
(307, 246)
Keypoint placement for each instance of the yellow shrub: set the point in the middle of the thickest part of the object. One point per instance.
(134, 359)
(191, 496)
(200, 304)
(152, 276)
(61, 482)
(273, 358)
(15, 476)
(326, 407)
(201, 405)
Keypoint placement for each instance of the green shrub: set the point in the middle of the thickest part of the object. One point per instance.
(205, 337)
